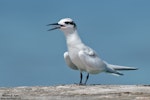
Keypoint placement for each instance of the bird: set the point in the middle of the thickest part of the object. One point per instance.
(80, 56)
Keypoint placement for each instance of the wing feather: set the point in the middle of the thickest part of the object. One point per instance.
(91, 61)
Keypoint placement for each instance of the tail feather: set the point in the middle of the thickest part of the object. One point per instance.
(117, 67)
(114, 69)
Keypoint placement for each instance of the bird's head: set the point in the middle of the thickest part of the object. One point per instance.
(66, 25)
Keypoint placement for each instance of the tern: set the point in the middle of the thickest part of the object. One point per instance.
(81, 57)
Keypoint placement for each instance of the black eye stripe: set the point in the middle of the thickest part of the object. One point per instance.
(66, 22)
(72, 23)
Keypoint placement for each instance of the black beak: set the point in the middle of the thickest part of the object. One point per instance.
(56, 26)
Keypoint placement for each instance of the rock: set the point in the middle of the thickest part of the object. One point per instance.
(77, 92)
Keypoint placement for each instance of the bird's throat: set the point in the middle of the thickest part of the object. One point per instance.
(73, 39)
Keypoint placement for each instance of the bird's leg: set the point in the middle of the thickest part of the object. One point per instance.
(80, 78)
(87, 77)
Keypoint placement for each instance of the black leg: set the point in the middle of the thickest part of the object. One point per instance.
(87, 77)
(81, 78)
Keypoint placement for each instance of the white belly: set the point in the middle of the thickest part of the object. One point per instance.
(76, 60)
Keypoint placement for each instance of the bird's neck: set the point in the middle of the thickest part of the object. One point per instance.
(73, 38)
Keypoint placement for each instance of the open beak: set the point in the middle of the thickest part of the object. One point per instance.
(55, 26)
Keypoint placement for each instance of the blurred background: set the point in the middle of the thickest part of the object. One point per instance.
(119, 30)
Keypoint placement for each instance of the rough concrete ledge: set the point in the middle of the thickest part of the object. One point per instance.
(77, 92)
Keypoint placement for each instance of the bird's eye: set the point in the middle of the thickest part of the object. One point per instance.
(67, 22)
(72, 23)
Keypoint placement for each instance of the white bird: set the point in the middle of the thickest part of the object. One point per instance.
(81, 57)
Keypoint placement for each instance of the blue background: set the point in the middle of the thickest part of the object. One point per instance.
(119, 30)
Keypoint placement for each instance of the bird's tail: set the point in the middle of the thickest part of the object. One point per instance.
(114, 69)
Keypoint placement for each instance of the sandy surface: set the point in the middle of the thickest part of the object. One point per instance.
(76, 92)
